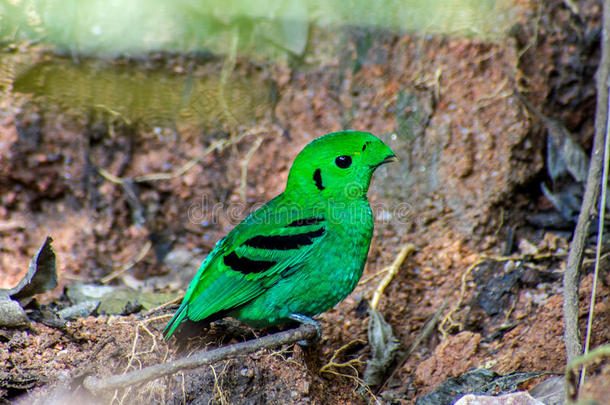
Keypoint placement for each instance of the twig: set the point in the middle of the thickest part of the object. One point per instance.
(588, 208)
(589, 261)
(182, 385)
(244, 167)
(7, 226)
(109, 176)
(598, 250)
(178, 172)
(201, 358)
(164, 305)
(129, 264)
(392, 270)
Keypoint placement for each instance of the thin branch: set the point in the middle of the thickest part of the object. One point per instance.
(129, 264)
(598, 250)
(98, 385)
(392, 270)
(8, 226)
(176, 300)
(244, 167)
(588, 209)
(109, 176)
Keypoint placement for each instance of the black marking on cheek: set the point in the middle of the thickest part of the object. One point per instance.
(317, 178)
(306, 221)
(284, 242)
(365, 145)
(247, 266)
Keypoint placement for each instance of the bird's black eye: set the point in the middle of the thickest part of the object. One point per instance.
(343, 161)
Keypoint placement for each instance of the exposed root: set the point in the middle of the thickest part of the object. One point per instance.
(134, 355)
(447, 317)
(280, 354)
(351, 367)
(222, 398)
(350, 364)
(391, 272)
(134, 362)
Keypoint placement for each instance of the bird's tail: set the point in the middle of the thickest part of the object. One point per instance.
(175, 321)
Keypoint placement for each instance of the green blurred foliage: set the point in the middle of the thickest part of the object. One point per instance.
(259, 28)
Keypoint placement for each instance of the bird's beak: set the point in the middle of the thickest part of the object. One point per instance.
(389, 159)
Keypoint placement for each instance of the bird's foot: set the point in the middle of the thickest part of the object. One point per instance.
(304, 319)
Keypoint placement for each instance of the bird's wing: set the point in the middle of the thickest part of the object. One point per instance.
(257, 253)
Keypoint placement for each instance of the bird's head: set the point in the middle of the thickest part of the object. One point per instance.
(338, 165)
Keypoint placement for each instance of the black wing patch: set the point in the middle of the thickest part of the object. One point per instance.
(245, 265)
(306, 221)
(317, 177)
(284, 242)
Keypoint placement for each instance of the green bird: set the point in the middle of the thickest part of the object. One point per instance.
(303, 251)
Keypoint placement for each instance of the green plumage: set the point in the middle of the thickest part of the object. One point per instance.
(302, 252)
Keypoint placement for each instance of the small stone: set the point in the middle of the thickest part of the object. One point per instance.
(11, 313)
(246, 372)
(516, 398)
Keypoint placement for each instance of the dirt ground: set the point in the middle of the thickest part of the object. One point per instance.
(465, 192)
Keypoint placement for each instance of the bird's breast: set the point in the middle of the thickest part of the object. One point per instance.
(346, 247)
